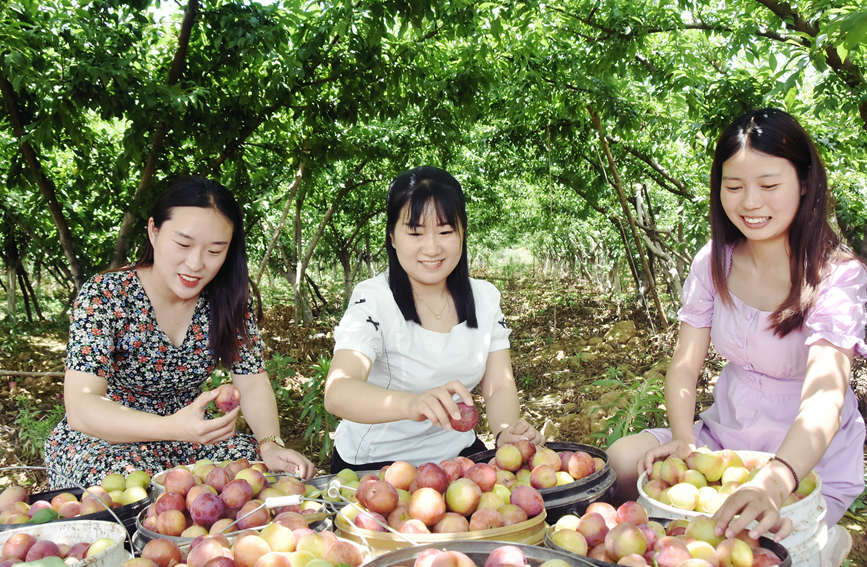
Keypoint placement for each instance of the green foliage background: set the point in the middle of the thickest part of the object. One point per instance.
(104, 101)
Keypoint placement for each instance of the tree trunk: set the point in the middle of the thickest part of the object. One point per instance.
(127, 225)
(304, 256)
(24, 297)
(302, 311)
(346, 265)
(293, 188)
(651, 285)
(10, 291)
(25, 285)
(46, 185)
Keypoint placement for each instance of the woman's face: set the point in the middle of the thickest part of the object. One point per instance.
(760, 194)
(428, 252)
(190, 248)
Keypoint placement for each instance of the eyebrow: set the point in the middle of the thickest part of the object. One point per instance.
(406, 223)
(773, 174)
(188, 237)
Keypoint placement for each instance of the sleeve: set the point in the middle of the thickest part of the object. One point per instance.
(501, 330)
(250, 359)
(838, 314)
(91, 328)
(360, 327)
(698, 292)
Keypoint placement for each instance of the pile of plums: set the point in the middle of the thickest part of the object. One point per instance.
(540, 466)
(456, 495)
(626, 536)
(114, 490)
(22, 546)
(704, 480)
(206, 497)
(285, 542)
(502, 556)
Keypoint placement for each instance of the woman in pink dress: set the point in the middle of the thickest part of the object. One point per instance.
(783, 302)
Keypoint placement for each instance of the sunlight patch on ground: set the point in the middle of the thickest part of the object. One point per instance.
(49, 343)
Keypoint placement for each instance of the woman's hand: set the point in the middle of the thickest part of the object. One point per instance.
(675, 447)
(518, 431)
(189, 423)
(759, 499)
(438, 404)
(278, 458)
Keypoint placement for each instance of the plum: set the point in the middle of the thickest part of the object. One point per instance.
(228, 398)
(469, 418)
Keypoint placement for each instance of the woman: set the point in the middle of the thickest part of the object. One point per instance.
(783, 301)
(143, 340)
(418, 336)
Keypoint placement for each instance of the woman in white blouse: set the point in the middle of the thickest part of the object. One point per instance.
(417, 339)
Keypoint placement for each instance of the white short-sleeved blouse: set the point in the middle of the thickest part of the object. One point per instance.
(407, 357)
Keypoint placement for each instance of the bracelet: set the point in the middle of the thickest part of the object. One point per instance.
(791, 469)
(272, 438)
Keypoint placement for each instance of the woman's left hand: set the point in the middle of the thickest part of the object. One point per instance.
(760, 499)
(278, 458)
(518, 431)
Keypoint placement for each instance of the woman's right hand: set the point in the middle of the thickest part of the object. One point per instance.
(674, 447)
(190, 424)
(438, 404)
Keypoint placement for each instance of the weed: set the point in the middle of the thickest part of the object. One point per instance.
(579, 358)
(613, 373)
(320, 423)
(280, 369)
(511, 269)
(644, 407)
(527, 381)
(217, 377)
(33, 427)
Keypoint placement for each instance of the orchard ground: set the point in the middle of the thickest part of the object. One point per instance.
(582, 361)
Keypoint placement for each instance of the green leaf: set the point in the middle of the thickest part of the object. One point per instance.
(842, 52)
(856, 35)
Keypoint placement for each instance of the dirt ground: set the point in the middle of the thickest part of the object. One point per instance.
(578, 357)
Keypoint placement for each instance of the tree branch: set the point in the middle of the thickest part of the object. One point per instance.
(127, 225)
(46, 185)
(848, 72)
(682, 190)
(700, 26)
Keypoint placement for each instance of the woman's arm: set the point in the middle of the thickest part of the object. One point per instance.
(680, 380)
(89, 411)
(501, 401)
(349, 396)
(260, 410)
(808, 438)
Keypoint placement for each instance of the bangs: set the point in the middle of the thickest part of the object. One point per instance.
(444, 204)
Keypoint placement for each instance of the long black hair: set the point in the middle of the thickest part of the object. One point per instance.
(812, 242)
(418, 187)
(228, 294)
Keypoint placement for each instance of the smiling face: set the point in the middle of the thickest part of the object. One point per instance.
(427, 252)
(760, 194)
(189, 249)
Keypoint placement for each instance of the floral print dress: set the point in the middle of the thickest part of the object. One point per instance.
(113, 334)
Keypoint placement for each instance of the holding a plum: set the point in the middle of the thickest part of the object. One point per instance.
(416, 340)
(783, 301)
(143, 340)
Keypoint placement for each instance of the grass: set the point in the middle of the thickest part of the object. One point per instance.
(35, 426)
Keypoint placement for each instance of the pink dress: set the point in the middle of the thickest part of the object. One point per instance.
(758, 393)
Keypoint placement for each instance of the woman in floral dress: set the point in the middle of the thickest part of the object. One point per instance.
(143, 339)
